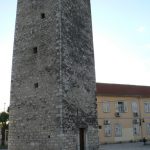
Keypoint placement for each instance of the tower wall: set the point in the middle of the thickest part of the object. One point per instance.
(53, 78)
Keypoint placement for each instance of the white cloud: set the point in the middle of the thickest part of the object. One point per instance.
(140, 29)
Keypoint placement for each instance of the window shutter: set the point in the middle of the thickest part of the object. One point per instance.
(148, 107)
(108, 106)
(134, 107)
(125, 107)
(104, 107)
(116, 107)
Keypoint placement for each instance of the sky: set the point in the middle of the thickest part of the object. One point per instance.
(121, 36)
(121, 30)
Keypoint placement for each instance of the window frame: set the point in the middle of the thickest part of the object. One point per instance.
(148, 128)
(106, 107)
(147, 110)
(108, 130)
(124, 106)
(137, 127)
(134, 107)
(118, 126)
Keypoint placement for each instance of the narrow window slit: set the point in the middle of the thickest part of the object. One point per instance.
(34, 50)
(36, 85)
(42, 15)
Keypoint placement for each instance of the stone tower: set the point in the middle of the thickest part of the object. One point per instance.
(53, 102)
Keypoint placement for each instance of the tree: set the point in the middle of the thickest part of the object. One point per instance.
(4, 116)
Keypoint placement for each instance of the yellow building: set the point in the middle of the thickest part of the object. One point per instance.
(123, 112)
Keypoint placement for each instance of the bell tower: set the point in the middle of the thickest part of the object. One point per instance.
(53, 101)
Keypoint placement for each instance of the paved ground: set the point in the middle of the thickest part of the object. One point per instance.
(126, 146)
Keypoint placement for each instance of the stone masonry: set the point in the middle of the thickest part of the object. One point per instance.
(53, 101)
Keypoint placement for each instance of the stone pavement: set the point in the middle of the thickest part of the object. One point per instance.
(126, 146)
(123, 146)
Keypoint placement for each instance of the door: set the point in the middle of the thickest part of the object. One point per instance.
(82, 141)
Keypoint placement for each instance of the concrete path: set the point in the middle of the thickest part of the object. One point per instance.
(123, 146)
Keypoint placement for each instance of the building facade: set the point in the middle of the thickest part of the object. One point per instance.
(123, 112)
(53, 88)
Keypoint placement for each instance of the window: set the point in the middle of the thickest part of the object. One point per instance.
(121, 107)
(107, 130)
(147, 107)
(106, 107)
(34, 50)
(148, 128)
(118, 130)
(134, 107)
(42, 15)
(36, 85)
(136, 129)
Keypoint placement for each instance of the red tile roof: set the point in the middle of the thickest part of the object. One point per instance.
(122, 90)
